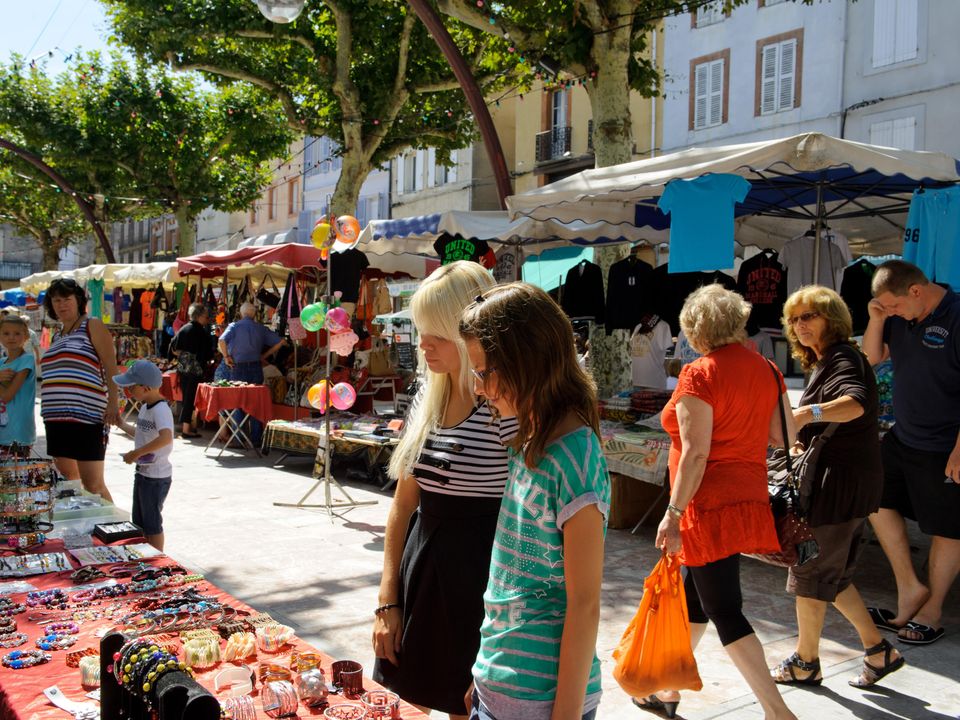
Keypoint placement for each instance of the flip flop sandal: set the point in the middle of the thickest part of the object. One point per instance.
(871, 674)
(881, 618)
(784, 673)
(656, 705)
(927, 634)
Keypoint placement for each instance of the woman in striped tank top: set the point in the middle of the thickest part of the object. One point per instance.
(451, 466)
(78, 399)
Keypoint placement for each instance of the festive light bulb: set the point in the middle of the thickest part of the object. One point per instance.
(281, 11)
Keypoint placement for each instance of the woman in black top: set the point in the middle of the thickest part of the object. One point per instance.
(847, 486)
(193, 347)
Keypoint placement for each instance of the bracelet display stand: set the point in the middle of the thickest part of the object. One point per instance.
(20, 476)
(330, 505)
(179, 696)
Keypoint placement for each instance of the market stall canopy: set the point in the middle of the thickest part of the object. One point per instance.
(127, 276)
(865, 190)
(257, 262)
(416, 235)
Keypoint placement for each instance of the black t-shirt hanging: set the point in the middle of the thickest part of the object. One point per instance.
(628, 293)
(347, 267)
(763, 283)
(450, 248)
(855, 291)
(583, 292)
(671, 291)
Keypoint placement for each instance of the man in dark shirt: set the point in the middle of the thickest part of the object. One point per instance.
(917, 324)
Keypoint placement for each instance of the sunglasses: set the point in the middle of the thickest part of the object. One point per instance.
(65, 282)
(803, 317)
(482, 375)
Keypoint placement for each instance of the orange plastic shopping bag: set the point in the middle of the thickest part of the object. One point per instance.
(654, 652)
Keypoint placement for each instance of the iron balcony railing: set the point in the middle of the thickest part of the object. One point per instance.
(554, 143)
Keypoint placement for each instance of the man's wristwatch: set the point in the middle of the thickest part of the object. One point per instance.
(817, 412)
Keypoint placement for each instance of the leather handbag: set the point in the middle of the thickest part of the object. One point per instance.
(266, 296)
(798, 545)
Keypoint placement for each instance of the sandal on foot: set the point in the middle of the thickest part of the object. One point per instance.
(784, 673)
(881, 618)
(655, 704)
(871, 674)
(927, 634)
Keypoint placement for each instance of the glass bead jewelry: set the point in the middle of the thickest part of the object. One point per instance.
(12, 640)
(63, 628)
(20, 659)
(56, 642)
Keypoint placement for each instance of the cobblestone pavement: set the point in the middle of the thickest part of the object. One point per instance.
(321, 574)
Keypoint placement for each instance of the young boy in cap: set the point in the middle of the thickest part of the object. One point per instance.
(153, 441)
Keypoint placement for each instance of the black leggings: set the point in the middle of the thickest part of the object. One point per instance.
(713, 593)
(188, 388)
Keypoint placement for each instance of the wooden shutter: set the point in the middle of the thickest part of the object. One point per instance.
(452, 170)
(905, 32)
(768, 79)
(400, 173)
(700, 96)
(884, 32)
(418, 170)
(431, 167)
(716, 92)
(786, 77)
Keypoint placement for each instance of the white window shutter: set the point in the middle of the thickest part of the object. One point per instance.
(700, 96)
(401, 174)
(716, 92)
(768, 80)
(418, 170)
(431, 167)
(881, 133)
(884, 32)
(905, 133)
(905, 32)
(382, 210)
(787, 75)
(452, 170)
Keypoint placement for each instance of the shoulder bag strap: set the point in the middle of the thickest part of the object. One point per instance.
(783, 416)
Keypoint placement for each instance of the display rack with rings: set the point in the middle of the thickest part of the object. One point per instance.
(26, 498)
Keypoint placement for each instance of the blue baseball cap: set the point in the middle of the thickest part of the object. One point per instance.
(141, 372)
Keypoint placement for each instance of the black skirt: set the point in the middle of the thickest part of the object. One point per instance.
(443, 574)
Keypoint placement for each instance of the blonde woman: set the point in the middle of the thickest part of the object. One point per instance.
(847, 488)
(451, 467)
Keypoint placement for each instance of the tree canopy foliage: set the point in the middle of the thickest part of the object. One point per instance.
(138, 140)
(363, 72)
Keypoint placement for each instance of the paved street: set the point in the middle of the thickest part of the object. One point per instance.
(321, 576)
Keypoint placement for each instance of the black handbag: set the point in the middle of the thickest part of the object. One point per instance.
(265, 296)
(798, 545)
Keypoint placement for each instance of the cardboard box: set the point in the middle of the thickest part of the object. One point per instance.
(631, 498)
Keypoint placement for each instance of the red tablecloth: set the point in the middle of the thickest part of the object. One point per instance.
(171, 386)
(255, 400)
(21, 691)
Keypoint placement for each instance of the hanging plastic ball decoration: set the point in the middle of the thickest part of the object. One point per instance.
(338, 320)
(318, 397)
(347, 228)
(312, 316)
(281, 11)
(343, 396)
(320, 235)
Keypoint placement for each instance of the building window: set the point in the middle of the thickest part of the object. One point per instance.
(895, 32)
(708, 14)
(271, 203)
(444, 174)
(409, 172)
(709, 90)
(900, 133)
(311, 156)
(293, 196)
(778, 73)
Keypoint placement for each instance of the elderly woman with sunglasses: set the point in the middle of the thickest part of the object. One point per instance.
(846, 489)
(78, 399)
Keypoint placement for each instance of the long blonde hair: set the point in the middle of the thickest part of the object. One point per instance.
(436, 308)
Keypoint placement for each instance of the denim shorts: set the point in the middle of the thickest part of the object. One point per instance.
(479, 712)
(148, 496)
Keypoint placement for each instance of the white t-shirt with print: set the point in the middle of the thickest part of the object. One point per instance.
(647, 351)
(151, 420)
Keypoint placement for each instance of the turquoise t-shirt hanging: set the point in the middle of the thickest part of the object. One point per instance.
(701, 220)
(933, 233)
(95, 290)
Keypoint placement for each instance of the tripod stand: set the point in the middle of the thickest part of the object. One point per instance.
(330, 505)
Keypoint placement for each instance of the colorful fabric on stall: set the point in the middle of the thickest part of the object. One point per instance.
(933, 233)
(95, 291)
(118, 306)
(147, 312)
(701, 220)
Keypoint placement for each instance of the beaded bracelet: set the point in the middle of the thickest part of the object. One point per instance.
(8, 624)
(12, 609)
(271, 638)
(12, 640)
(50, 598)
(90, 671)
(110, 591)
(239, 646)
(201, 652)
(74, 656)
(63, 628)
(26, 541)
(149, 585)
(121, 658)
(19, 659)
(185, 579)
(56, 642)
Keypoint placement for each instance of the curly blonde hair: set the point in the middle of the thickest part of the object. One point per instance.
(831, 308)
(713, 317)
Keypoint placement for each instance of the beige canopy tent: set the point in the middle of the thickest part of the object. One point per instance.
(797, 182)
(127, 276)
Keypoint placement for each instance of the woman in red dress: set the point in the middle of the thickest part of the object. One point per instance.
(721, 418)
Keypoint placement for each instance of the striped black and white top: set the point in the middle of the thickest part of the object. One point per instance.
(469, 459)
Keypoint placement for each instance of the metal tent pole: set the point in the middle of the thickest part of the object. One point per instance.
(818, 230)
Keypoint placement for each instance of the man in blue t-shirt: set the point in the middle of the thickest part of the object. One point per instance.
(916, 324)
